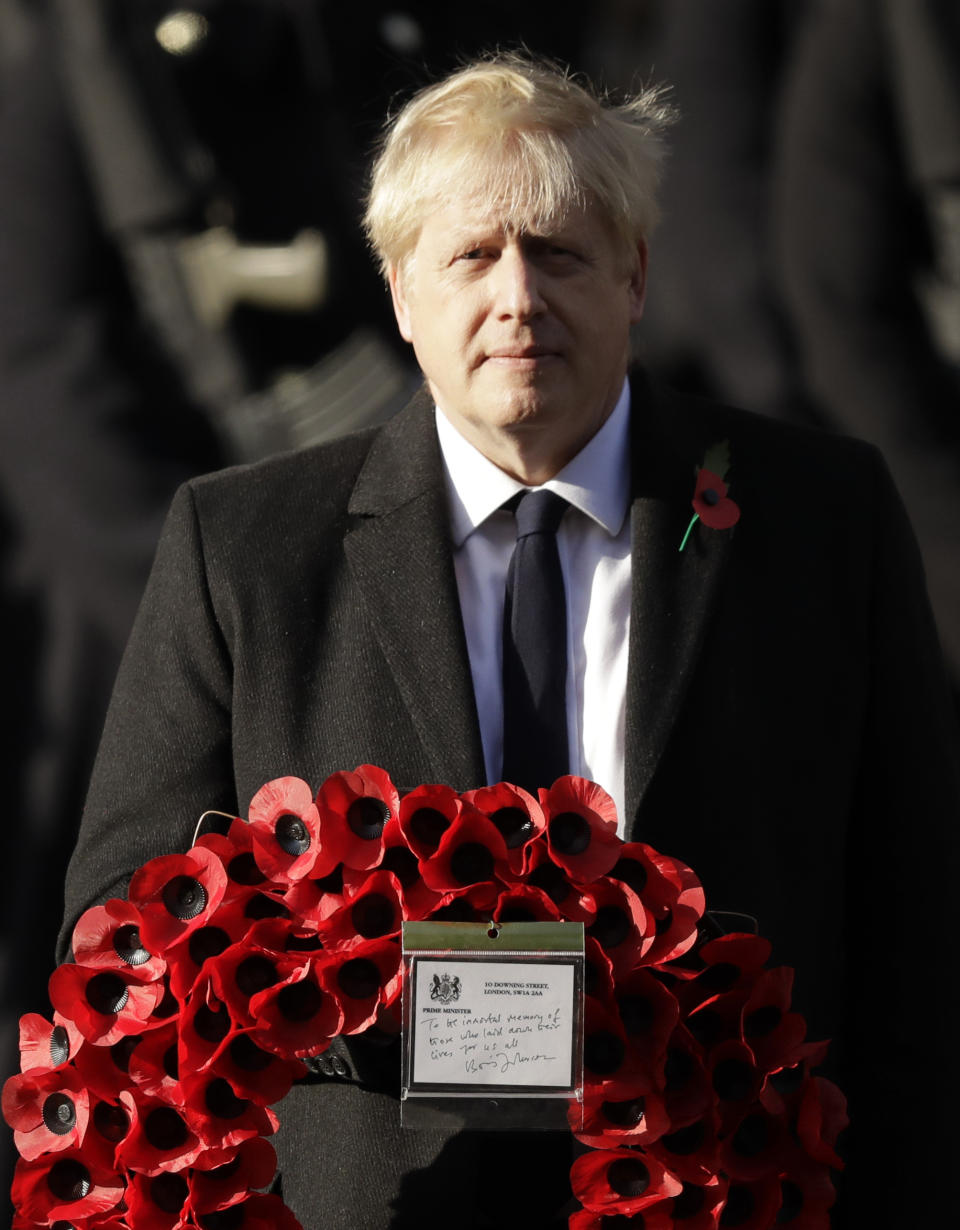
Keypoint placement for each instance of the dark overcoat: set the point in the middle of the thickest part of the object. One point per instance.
(788, 735)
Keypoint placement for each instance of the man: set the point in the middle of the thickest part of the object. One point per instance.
(765, 704)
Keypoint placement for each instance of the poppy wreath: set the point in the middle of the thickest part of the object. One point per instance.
(194, 1005)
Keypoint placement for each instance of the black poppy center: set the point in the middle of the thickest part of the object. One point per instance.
(170, 1063)
(69, 1180)
(569, 833)
(59, 1046)
(207, 942)
(707, 1026)
(121, 1051)
(739, 1208)
(112, 1122)
(686, 1140)
(611, 926)
(689, 1202)
(637, 1013)
(220, 1174)
(164, 1129)
(514, 826)
(292, 835)
(212, 1024)
(751, 1137)
(550, 879)
(248, 1056)
(603, 1052)
(628, 1177)
(628, 871)
(222, 1102)
(59, 1114)
(678, 1069)
(732, 1080)
(367, 816)
(243, 869)
(231, 1218)
(167, 1006)
(624, 1114)
(169, 1192)
(300, 1001)
(403, 863)
(255, 974)
(719, 977)
(184, 897)
(428, 825)
(262, 906)
(762, 1022)
(127, 945)
(358, 978)
(107, 994)
(471, 862)
(373, 916)
(710, 497)
(791, 1202)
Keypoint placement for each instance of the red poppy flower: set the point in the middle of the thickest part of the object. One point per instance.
(711, 503)
(154, 1065)
(735, 1080)
(296, 1016)
(161, 1139)
(190, 953)
(687, 1090)
(757, 1145)
(671, 893)
(286, 834)
(620, 1181)
(249, 967)
(261, 1213)
(424, 816)
(159, 1202)
(516, 815)
(313, 900)
(106, 1069)
(47, 1109)
(176, 894)
(108, 937)
(806, 1196)
(698, 1206)
(64, 1187)
(636, 1120)
(524, 903)
(609, 1067)
(729, 963)
(821, 1119)
(373, 911)
(256, 1074)
(597, 972)
(219, 1116)
(690, 1152)
(104, 1004)
(654, 1217)
(773, 1033)
(649, 1013)
(235, 852)
(572, 899)
(109, 1124)
(621, 925)
(354, 807)
(581, 828)
(251, 1165)
(46, 1045)
(363, 980)
(418, 900)
(471, 852)
(752, 1206)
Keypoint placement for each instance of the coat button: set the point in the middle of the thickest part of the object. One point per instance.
(340, 1067)
(326, 1067)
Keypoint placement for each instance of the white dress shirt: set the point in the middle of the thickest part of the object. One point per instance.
(594, 545)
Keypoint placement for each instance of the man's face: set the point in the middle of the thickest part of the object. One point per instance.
(523, 336)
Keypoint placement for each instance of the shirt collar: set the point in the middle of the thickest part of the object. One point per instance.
(596, 480)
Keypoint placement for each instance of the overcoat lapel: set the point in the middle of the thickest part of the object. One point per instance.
(673, 592)
(400, 557)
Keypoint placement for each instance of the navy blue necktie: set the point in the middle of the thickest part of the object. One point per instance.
(535, 750)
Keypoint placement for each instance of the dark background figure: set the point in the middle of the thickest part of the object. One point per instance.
(868, 224)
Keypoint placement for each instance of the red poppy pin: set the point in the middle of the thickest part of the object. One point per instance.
(711, 504)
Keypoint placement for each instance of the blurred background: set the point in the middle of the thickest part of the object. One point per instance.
(184, 285)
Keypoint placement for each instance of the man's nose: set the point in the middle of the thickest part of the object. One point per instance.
(519, 291)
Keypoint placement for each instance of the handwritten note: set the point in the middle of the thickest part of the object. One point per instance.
(493, 1023)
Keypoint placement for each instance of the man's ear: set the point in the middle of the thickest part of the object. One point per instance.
(638, 283)
(400, 306)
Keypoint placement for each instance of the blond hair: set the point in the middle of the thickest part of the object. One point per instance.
(523, 138)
